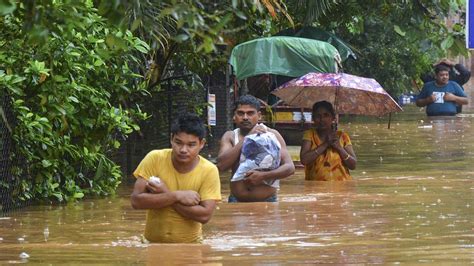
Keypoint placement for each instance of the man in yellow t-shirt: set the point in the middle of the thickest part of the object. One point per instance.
(188, 189)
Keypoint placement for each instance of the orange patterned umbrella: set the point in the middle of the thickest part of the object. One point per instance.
(348, 93)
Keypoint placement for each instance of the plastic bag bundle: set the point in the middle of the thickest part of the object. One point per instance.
(259, 152)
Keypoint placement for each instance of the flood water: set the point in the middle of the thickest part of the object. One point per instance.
(411, 202)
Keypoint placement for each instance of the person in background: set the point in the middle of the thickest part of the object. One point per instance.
(457, 73)
(441, 96)
(187, 187)
(257, 185)
(326, 152)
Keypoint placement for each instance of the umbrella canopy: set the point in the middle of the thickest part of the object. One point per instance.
(287, 56)
(317, 34)
(348, 93)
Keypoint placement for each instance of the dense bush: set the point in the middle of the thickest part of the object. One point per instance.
(69, 80)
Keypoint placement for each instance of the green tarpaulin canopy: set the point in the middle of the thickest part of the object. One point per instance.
(281, 55)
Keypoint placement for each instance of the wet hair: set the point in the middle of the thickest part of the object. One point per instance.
(326, 105)
(441, 67)
(247, 100)
(188, 123)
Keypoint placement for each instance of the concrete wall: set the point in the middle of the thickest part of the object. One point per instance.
(468, 62)
(469, 86)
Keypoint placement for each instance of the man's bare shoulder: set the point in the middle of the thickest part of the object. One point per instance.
(228, 135)
(278, 135)
(274, 131)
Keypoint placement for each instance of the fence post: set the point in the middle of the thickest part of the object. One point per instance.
(170, 103)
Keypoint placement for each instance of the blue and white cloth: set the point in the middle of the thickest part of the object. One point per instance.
(260, 151)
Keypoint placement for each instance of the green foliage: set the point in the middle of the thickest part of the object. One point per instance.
(7, 6)
(396, 41)
(70, 78)
(191, 34)
(72, 82)
(312, 10)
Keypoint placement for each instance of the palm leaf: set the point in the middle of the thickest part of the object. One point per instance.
(315, 9)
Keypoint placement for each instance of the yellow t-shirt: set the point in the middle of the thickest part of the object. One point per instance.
(166, 225)
(327, 166)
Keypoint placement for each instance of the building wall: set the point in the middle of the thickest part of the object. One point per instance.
(469, 86)
(467, 62)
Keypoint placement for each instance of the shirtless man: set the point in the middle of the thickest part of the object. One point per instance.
(257, 185)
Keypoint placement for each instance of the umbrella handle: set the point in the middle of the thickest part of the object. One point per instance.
(389, 119)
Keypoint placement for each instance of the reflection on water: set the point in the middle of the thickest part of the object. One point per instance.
(411, 202)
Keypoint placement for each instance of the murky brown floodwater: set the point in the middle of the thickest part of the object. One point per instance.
(411, 202)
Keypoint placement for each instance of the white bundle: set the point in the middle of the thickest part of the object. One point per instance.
(154, 179)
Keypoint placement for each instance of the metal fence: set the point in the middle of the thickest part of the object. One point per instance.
(8, 184)
(163, 107)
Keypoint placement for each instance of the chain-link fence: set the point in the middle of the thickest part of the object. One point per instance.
(163, 107)
(9, 186)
